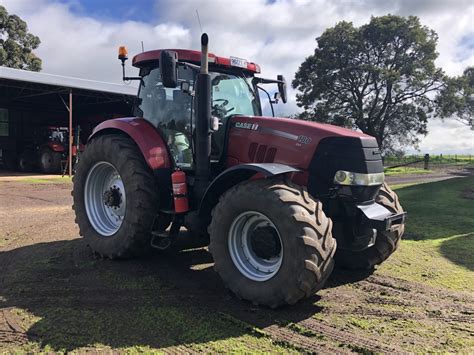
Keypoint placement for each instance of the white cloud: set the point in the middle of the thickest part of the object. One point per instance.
(85, 47)
(448, 137)
(277, 35)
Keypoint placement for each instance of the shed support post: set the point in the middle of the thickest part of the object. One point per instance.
(70, 134)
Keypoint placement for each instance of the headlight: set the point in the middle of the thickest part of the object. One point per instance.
(349, 178)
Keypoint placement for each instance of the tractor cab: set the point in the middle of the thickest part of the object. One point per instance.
(234, 91)
(55, 137)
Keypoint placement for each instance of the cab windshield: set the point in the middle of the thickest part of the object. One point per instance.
(172, 110)
(233, 95)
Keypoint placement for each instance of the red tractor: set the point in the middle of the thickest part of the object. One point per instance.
(280, 199)
(48, 150)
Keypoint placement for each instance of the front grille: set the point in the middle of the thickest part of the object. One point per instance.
(360, 155)
(270, 156)
(262, 149)
(252, 151)
(261, 153)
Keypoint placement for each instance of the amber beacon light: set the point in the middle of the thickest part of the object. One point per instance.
(122, 53)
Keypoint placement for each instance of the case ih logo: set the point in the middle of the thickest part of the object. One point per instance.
(244, 125)
(303, 140)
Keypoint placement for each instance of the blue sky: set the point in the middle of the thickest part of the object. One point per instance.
(114, 10)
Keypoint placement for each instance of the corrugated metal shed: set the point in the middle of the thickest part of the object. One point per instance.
(30, 100)
(65, 81)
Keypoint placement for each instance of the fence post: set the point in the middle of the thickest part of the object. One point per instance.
(427, 160)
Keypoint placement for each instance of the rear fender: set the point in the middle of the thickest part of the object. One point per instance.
(234, 176)
(152, 146)
(147, 138)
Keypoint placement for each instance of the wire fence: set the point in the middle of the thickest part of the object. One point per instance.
(429, 161)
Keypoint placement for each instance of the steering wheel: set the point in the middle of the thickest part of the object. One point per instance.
(219, 110)
(224, 101)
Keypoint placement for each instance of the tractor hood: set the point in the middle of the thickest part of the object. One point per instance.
(318, 150)
(293, 141)
(293, 128)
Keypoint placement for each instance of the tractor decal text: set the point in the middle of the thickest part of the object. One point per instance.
(245, 125)
(274, 132)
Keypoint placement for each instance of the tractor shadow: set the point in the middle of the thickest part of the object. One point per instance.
(458, 249)
(172, 298)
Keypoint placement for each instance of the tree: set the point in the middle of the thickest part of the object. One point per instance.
(379, 78)
(456, 99)
(17, 44)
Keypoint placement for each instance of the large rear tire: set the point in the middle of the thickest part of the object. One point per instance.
(115, 197)
(50, 161)
(271, 242)
(385, 244)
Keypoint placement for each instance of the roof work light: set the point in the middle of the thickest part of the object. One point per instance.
(122, 53)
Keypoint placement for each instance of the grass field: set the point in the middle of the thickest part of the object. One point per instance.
(402, 170)
(438, 243)
(55, 297)
(51, 180)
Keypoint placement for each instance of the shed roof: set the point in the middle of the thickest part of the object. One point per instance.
(26, 90)
(66, 81)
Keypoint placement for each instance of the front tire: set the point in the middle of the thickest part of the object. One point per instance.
(385, 244)
(271, 242)
(115, 197)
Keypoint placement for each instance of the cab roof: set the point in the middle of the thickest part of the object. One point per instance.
(185, 55)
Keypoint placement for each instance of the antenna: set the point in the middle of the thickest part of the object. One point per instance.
(143, 48)
(199, 20)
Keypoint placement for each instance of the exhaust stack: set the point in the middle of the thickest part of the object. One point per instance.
(204, 54)
(203, 119)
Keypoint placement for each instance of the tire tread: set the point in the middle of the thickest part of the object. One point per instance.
(312, 232)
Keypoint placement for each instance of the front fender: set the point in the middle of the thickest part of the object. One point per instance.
(148, 139)
(234, 176)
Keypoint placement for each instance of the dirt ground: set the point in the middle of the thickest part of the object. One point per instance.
(51, 288)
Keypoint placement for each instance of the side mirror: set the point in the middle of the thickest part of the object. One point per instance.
(282, 88)
(169, 69)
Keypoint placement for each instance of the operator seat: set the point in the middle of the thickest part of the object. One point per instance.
(178, 127)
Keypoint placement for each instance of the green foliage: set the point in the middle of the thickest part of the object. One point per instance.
(17, 44)
(457, 97)
(376, 78)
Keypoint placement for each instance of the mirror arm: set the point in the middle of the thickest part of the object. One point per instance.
(256, 80)
(194, 66)
(128, 78)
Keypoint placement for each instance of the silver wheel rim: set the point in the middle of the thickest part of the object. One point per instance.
(241, 246)
(105, 198)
